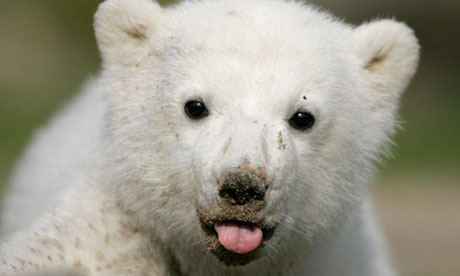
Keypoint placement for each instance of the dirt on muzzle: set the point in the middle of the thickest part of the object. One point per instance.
(248, 214)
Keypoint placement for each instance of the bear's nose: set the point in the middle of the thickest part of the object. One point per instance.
(241, 187)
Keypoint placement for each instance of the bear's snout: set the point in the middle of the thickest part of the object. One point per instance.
(243, 185)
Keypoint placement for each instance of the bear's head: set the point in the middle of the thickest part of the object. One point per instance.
(236, 126)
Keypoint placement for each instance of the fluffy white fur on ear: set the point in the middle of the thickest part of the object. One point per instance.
(388, 51)
(123, 28)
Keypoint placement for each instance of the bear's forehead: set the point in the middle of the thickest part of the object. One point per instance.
(276, 71)
(258, 38)
(256, 26)
(266, 49)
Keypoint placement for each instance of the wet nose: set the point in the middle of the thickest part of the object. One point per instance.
(240, 187)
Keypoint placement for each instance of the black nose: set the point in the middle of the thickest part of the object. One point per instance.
(242, 187)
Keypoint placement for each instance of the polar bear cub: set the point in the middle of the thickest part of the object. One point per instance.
(221, 138)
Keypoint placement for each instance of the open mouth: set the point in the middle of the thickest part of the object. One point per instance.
(238, 237)
(235, 234)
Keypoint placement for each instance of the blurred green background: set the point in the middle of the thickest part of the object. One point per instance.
(47, 49)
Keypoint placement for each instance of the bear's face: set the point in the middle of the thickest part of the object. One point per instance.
(234, 126)
(269, 117)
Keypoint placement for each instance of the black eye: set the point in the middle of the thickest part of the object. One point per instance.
(196, 110)
(302, 120)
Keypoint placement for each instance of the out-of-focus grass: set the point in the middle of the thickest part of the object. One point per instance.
(428, 146)
(45, 53)
(431, 124)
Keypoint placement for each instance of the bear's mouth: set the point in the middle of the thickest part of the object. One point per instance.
(236, 234)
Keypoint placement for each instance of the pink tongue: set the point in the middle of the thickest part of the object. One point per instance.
(240, 238)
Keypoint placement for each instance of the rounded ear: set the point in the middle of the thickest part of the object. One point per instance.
(123, 28)
(388, 51)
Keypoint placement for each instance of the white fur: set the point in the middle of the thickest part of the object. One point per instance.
(112, 186)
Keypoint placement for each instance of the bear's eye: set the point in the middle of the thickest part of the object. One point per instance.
(196, 109)
(302, 120)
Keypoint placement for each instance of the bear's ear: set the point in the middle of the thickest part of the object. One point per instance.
(124, 28)
(388, 52)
